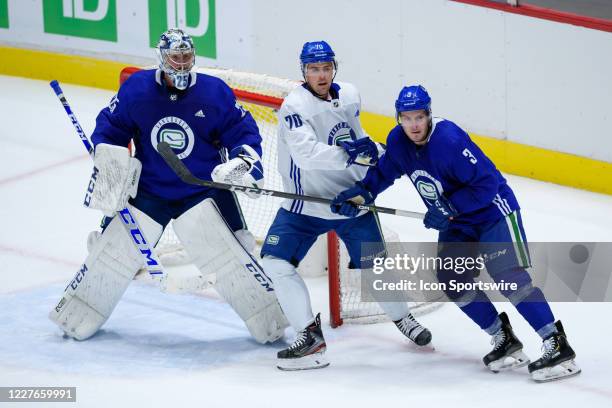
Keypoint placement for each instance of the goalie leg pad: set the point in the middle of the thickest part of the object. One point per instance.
(93, 293)
(223, 260)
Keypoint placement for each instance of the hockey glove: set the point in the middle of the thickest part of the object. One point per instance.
(243, 168)
(346, 202)
(114, 179)
(439, 215)
(361, 151)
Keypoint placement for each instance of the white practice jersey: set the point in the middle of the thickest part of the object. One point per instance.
(309, 158)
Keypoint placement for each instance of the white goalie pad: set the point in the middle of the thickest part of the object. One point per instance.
(223, 261)
(93, 293)
(114, 179)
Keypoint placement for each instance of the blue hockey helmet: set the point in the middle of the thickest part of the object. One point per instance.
(413, 98)
(317, 51)
(176, 56)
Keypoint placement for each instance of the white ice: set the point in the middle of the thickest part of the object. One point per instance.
(159, 350)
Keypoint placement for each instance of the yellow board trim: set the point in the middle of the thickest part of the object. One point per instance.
(523, 160)
(73, 69)
(510, 157)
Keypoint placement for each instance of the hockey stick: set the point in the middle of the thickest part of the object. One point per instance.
(153, 264)
(185, 174)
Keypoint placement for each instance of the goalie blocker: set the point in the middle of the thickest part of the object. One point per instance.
(219, 255)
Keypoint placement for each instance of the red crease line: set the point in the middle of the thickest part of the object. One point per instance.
(44, 169)
(41, 257)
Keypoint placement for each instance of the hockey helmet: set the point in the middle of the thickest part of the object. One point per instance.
(413, 98)
(317, 51)
(176, 55)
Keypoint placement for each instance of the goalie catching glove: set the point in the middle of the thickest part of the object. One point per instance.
(243, 168)
(114, 179)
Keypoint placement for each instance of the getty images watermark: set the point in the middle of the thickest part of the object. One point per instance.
(411, 264)
(404, 271)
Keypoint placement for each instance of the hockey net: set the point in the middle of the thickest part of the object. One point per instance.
(262, 96)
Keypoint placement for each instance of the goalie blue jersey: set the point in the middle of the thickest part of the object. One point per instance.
(200, 124)
(448, 165)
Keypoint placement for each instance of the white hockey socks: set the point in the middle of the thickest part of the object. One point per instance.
(291, 291)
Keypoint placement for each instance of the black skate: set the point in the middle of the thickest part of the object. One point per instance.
(412, 329)
(507, 351)
(306, 352)
(558, 358)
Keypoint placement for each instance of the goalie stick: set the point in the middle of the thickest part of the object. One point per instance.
(151, 260)
(186, 176)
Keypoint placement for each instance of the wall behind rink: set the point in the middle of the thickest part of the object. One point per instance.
(522, 82)
(507, 76)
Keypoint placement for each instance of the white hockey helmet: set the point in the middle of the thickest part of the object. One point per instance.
(176, 56)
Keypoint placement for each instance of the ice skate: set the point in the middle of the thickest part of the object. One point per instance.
(558, 358)
(307, 351)
(412, 329)
(507, 350)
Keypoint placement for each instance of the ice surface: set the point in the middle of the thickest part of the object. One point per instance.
(182, 350)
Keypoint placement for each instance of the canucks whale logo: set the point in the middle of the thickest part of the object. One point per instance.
(428, 186)
(176, 132)
(342, 132)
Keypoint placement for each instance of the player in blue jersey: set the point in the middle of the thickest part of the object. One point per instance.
(468, 201)
(199, 117)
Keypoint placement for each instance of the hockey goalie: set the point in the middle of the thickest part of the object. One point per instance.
(199, 117)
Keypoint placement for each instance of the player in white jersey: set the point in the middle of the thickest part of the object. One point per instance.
(315, 121)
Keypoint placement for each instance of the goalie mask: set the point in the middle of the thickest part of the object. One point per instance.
(176, 56)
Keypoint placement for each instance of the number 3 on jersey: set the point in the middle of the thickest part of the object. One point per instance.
(470, 156)
(293, 121)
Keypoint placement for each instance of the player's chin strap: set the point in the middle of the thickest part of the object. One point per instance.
(150, 259)
(185, 174)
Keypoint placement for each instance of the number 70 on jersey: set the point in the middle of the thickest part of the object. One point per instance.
(294, 121)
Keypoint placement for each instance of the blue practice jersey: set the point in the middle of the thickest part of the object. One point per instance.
(199, 124)
(451, 165)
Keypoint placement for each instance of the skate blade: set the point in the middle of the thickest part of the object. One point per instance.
(562, 370)
(309, 362)
(515, 360)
